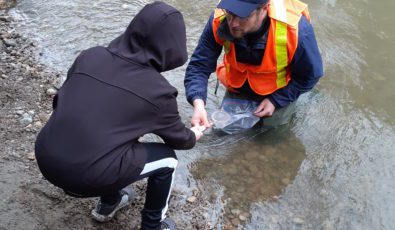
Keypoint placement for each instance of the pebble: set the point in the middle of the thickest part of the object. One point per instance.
(246, 214)
(242, 218)
(43, 117)
(285, 181)
(26, 119)
(51, 91)
(298, 220)
(31, 156)
(9, 42)
(191, 199)
(235, 212)
(235, 221)
(38, 124)
(195, 191)
(323, 192)
(378, 77)
(275, 198)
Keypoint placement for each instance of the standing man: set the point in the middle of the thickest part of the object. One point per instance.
(112, 96)
(271, 56)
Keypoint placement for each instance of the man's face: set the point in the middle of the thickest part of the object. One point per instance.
(239, 27)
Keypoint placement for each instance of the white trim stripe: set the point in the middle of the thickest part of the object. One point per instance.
(163, 163)
(164, 210)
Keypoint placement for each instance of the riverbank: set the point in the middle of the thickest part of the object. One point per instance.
(28, 200)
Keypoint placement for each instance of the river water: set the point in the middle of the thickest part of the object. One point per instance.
(332, 167)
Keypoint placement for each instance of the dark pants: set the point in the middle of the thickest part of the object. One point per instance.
(159, 168)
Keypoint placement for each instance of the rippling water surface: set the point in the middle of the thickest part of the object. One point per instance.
(332, 167)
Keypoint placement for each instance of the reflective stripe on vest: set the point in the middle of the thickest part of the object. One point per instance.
(281, 54)
(274, 72)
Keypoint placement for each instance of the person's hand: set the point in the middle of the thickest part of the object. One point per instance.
(199, 117)
(265, 109)
(198, 130)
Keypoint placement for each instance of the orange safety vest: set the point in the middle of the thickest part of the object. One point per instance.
(274, 72)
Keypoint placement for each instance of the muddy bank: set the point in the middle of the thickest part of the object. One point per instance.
(28, 201)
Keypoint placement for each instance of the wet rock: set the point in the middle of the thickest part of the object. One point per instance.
(251, 155)
(9, 42)
(270, 151)
(263, 158)
(4, 18)
(121, 217)
(191, 199)
(378, 77)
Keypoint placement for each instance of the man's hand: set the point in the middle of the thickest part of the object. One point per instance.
(198, 130)
(199, 117)
(265, 109)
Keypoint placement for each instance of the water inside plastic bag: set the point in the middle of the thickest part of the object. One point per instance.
(239, 115)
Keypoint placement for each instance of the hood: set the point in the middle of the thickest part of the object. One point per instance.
(155, 38)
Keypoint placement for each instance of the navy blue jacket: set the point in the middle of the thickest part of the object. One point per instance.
(306, 66)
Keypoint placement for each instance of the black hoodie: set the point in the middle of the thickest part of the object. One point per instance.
(111, 97)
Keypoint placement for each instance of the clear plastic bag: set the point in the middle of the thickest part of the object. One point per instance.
(235, 115)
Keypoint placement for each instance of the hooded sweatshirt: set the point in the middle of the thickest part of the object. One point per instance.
(111, 97)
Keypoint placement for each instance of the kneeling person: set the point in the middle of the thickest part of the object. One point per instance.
(112, 96)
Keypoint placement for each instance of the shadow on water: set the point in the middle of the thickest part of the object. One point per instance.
(253, 170)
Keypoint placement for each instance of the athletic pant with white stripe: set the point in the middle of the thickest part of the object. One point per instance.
(159, 168)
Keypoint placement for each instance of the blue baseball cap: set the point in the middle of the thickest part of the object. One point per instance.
(241, 8)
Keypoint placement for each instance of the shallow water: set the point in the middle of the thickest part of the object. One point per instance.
(332, 167)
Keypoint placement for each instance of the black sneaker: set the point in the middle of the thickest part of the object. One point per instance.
(168, 224)
(104, 212)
